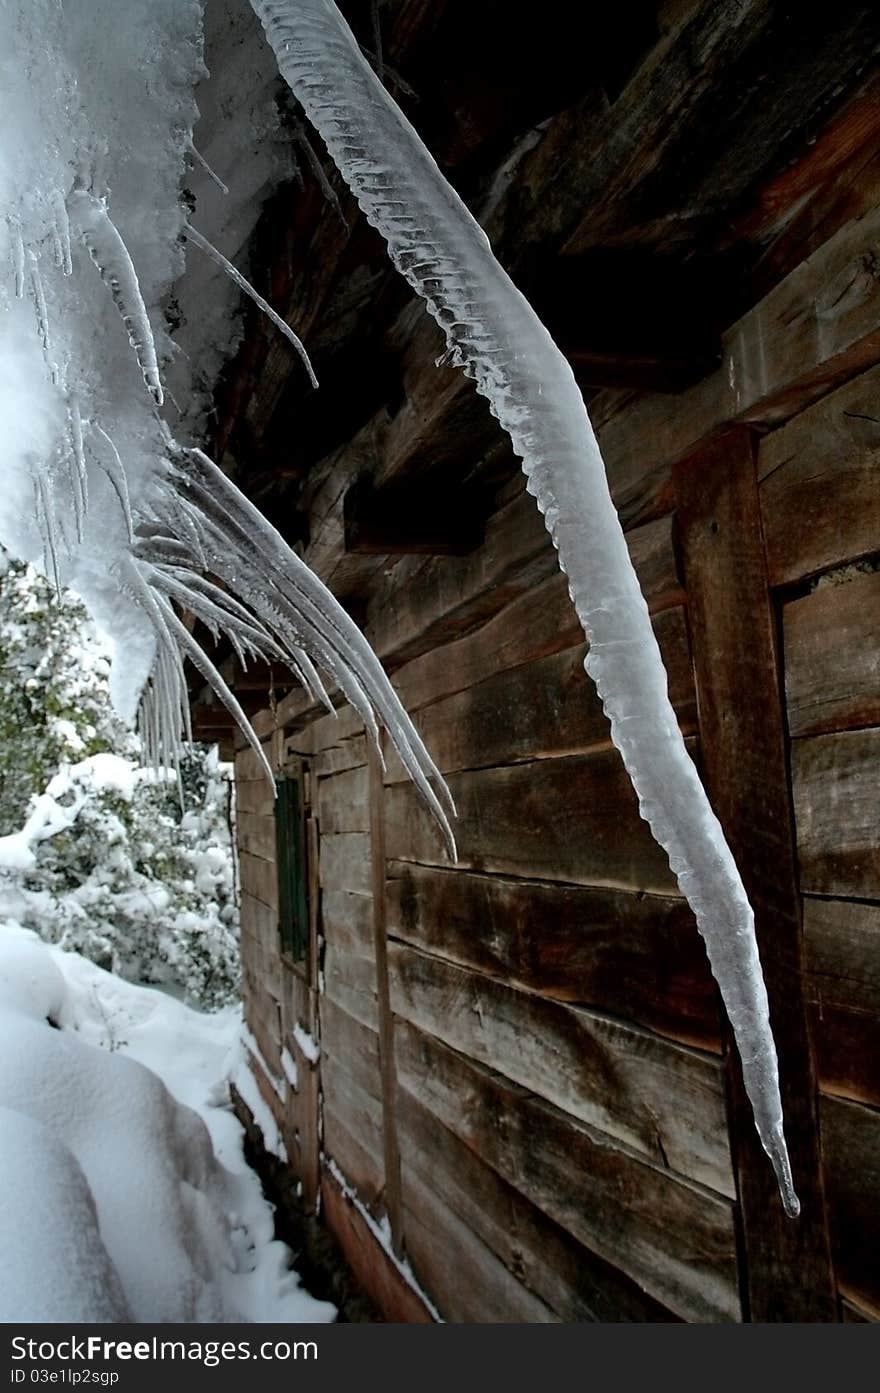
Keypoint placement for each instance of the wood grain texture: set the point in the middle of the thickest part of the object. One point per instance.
(256, 834)
(636, 956)
(661, 1100)
(387, 1071)
(259, 879)
(851, 1152)
(673, 1238)
(816, 329)
(541, 709)
(842, 956)
(575, 1283)
(832, 657)
(786, 1272)
(375, 1271)
(535, 624)
(820, 503)
(472, 1284)
(352, 1134)
(350, 981)
(835, 794)
(573, 819)
(343, 802)
(345, 862)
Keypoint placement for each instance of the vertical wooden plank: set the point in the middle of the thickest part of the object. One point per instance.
(393, 1194)
(786, 1271)
(310, 1147)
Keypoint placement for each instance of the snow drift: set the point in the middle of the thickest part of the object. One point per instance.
(116, 1203)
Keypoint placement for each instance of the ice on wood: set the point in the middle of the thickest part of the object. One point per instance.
(495, 337)
(94, 183)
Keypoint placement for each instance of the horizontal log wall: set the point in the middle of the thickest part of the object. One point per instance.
(558, 1090)
(822, 522)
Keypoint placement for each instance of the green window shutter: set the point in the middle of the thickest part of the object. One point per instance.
(290, 842)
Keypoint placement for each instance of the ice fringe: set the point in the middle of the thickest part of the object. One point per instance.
(279, 609)
(90, 218)
(494, 335)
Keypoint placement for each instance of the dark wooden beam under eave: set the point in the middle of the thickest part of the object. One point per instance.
(631, 319)
(424, 517)
(786, 1271)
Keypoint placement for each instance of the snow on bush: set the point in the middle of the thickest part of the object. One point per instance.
(125, 1191)
(123, 864)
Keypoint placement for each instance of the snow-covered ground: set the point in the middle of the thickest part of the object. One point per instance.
(125, 1192)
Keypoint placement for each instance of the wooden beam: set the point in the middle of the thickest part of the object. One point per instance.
(377, 1274)
(819, 327)
(785, 1265)
(393, 1195)
(419, 520)
(629, 318)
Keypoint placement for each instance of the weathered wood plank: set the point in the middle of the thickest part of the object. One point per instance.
(786, 1272)
(352, 1133)
(636, 956)
(820, 503)
(816, 329)
(256, 834)
(258, 918)
(540, 622)
(842, 955)
(345, 862)
(248, 766)
(851, 1150)
(447, 596)
(350, 981)
(255, 796)
(574, 1283)
(353, 1046)
(373, 1268)
(835, 795)
(673, 1238)
(660, 1099)
(350, 753)
(347, 921)
(343, 802)
(542, 709)
(467, 1281)
(388, 1076)
(572, 819)
(259, 878)
(832, 657)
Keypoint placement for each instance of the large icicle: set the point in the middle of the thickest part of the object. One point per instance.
(495, 336)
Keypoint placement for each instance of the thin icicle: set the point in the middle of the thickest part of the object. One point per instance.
(18, 251)
(203, 664)
(47, 517)
(210, 250)
(312, 614)
(39, 298)
(200, 159)
(314, 163)
(494, 334)
(109, 254)
(81, 475)
(115, 471)
(62, 235)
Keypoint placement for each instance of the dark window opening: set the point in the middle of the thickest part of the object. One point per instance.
(291, 855)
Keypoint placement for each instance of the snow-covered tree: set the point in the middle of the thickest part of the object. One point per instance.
(122, 863)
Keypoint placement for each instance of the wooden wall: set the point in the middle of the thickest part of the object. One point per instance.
(523, 1067)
